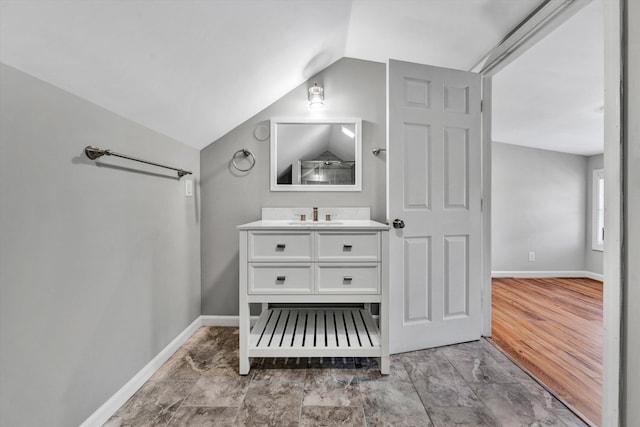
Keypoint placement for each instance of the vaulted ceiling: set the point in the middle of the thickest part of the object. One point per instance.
(194, 70)
(552, 96)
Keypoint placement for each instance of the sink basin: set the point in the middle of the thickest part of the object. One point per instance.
(314, 223)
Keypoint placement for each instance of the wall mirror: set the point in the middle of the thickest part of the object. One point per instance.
(316, 154)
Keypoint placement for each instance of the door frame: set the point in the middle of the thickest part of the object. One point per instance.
(541, 22)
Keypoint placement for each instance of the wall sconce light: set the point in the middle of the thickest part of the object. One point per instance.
(316, 97)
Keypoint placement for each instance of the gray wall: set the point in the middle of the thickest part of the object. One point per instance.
(99, 266)
(229, 198)
(631, 292)
(593, 260)
(538, 205)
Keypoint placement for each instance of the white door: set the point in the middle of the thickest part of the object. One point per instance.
(434, 161)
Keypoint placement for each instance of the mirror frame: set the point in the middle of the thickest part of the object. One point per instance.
(273, 164)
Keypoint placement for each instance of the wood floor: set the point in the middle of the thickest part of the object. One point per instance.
(553, 328)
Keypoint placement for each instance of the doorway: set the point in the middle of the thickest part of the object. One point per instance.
(520, 40)
(567, 251)
(547, 309)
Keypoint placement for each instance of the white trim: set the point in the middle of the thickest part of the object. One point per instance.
(104, 412)
(614, 79)
(208, 320)
(220, 320)
(542, 21)
(486, 205)
(540, 274)
(594, 276)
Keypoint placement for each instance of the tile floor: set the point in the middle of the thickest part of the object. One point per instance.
(470, 384)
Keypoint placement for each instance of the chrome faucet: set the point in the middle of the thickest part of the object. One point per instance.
(315, 214)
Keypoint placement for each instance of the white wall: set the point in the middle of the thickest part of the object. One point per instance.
(538, 205)
(229, 198)
(99, 266)
(592, 258)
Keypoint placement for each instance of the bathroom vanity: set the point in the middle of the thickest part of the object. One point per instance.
(315, 281)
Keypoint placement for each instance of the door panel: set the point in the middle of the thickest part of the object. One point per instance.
(456, 282)
(416, 155)
(456, 165)
(417, 292)
(434, 187)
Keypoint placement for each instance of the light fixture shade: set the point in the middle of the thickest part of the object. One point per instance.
(316, 97)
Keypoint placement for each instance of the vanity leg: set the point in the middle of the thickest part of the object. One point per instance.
(385, 365)
(245, 327)
(244, 312)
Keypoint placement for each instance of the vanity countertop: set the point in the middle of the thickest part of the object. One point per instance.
(283, 224)
(289, 219)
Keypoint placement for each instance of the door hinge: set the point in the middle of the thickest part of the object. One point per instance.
(481, 205)
(481, 105)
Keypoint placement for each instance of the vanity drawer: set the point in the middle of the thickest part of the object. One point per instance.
(338, 246)
(280, 279)
(349, 279)
(265, 246)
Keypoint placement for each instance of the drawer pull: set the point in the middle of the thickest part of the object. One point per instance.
(347, 279)
(347, 246)
(280, 246)
(280, 279)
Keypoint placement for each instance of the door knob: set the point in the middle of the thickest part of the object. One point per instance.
(398, 223)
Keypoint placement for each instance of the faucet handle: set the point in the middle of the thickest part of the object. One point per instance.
(303, 217)
(327, 217)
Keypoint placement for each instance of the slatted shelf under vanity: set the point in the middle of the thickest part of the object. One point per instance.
(296, 332)
(316, 281)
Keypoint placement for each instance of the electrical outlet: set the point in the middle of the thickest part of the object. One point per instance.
(532, 256)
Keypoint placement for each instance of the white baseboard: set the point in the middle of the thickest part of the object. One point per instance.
(220, 320)
(114, 403)
(106, 411)
(540, 274)
(208, 320)
(594, 276)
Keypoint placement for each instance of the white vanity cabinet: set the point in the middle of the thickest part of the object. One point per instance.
(322, 263)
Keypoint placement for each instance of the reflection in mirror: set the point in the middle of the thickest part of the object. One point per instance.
(315, 155)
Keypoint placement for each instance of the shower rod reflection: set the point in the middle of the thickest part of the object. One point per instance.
(94, 153)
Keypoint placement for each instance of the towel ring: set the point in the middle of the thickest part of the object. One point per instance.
(246, 153)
